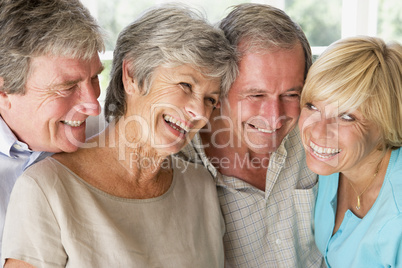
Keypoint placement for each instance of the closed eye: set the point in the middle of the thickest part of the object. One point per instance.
(66, 92)
(291, 95)
(211, 101)
(257, 96)
(185, 86)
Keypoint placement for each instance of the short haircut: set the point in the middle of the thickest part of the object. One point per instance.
(32, 28)
(168, 35)
(364, 74)
(263, 27)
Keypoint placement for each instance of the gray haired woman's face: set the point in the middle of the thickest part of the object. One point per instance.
(179, 103)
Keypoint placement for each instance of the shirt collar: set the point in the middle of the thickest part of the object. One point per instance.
(8, 140)
(279, 157)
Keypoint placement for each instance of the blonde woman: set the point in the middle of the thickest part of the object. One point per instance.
(351, 124)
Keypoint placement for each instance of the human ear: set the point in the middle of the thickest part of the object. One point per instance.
(4, 99)
(129, 83)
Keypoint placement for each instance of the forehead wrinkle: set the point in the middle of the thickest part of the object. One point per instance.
(189, 76)
(255, 90)
(66, 84)
(299, 89)
(69, 83)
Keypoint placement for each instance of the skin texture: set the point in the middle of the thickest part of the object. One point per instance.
(58, 89)
(266, 95)
(344, 143)
(354, 138)
(262, 107)
(181, 93)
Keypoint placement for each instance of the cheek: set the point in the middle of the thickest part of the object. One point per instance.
(208, 112)
(302, 123)
(292, 109)
(248, 109)
(307, 119)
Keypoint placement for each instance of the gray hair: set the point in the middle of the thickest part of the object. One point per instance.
(264, 27)
(168, 35)
(32, 28)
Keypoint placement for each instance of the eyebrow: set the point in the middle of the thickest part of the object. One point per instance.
(195, 80)
(295, 89)
(257, 90)
(70, 83)
(216, 92)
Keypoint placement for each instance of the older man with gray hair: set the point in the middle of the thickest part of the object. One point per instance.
(49, 85)
(253, 149)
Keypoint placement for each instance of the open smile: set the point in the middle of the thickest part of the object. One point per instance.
(263, 130)
(73, 123)
(176, 124)
(323, 152)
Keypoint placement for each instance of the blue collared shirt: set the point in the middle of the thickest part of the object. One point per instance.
(15, 157)
(371, 241)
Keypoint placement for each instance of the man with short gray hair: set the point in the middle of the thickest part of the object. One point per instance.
(49, 67)
(253, 149)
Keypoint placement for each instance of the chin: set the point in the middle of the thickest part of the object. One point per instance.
(71, 145)
(321, 169)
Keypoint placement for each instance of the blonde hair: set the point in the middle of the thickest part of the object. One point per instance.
(365, 74)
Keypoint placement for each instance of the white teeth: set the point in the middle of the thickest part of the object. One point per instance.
(263, 129)
(323, 152)
(73, 123)
(180, 125)
(266, 130)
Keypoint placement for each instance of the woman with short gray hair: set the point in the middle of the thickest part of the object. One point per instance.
(124, 200)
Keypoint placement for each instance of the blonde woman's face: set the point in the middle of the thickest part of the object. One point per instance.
(337, 142)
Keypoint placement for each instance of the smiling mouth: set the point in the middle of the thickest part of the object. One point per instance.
(263, 130)
(176, 124)
(73, 123)
(323, 152)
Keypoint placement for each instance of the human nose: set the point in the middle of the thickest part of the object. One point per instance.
(196, 110)
(273, 111)
(88, 102)
(324, 128)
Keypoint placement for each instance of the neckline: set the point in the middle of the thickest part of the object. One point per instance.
(117, 198)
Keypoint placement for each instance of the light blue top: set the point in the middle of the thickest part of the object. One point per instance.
(373, 241)
(15, 157)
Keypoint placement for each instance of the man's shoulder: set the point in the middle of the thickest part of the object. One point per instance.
(296, 161)
(7, 138)
(192, 151)
(294, 139)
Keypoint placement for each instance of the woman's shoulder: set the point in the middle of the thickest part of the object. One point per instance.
(46, 173)
(47, 166)
(389, 244)
(395, 162)
(191, 169)
(394, 173)
(192, 175)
